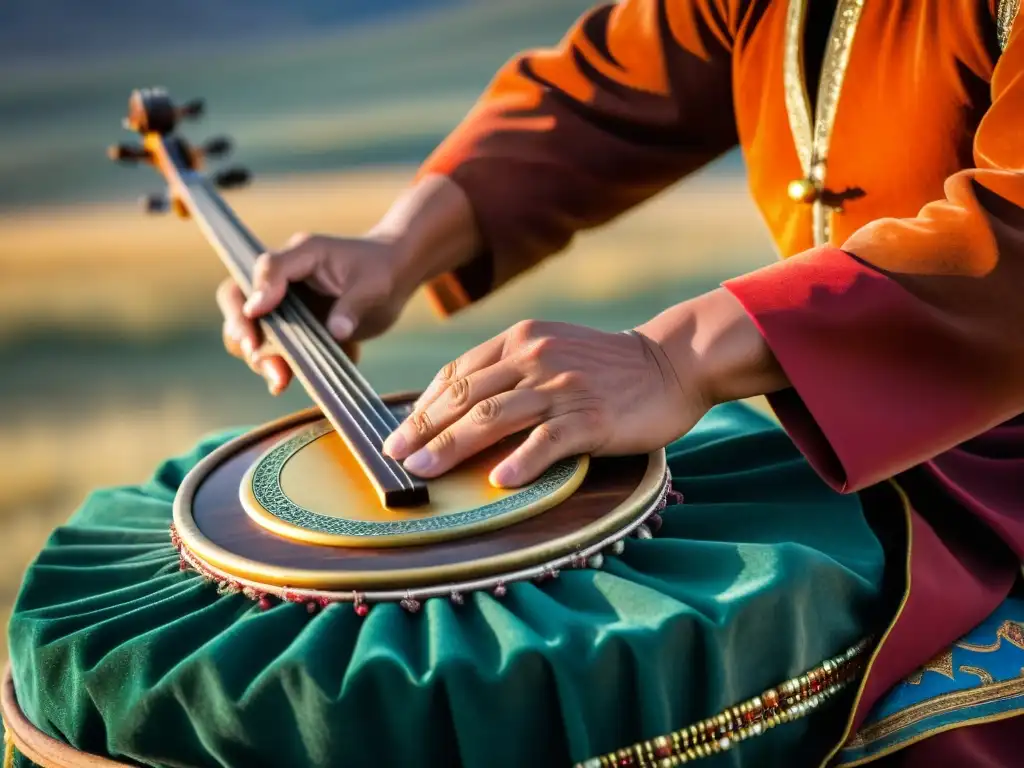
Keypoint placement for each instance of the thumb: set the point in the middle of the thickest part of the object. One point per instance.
(274, 271)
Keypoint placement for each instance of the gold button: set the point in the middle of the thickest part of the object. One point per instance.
(802, 191)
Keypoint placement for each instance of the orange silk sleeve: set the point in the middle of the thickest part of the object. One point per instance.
(637, 95)
(909, 339)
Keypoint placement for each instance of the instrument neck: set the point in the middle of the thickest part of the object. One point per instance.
(327, 374)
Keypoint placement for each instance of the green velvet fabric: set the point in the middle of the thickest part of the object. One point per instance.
(760, 574)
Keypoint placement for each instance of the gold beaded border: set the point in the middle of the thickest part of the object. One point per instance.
(1007, 14)
(790, 701)
(8, 760)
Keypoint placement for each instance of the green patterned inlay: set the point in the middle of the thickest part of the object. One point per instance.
(266, 487)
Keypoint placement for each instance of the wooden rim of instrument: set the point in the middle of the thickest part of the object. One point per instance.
(40, 748)
(533, 562)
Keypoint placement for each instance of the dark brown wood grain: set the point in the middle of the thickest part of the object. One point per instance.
(219, 515)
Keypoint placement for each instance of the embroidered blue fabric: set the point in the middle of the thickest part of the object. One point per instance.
(977, 679)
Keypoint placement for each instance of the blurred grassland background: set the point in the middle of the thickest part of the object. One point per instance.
(110, 356)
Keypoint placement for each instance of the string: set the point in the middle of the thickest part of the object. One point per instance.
(316, 354)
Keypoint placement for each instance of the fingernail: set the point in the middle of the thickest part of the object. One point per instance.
(254, 301)
(341, 327)
(395, 445)
(421, 461)
(247, 346)
(503, 476)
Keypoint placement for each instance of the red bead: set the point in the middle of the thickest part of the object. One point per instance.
(654, 522)
(771, 699)
(750, 715)
(362, 609)
(311, 607)
(264, 603)
(500, 590)
(625, 760)
(663, 751)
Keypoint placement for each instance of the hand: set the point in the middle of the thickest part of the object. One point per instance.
(356, 277)
(576, 390)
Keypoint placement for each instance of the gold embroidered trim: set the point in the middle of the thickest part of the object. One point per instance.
(1005, 17)
(798, 105)
(941, 664)
(1009, 630)
(937, 706)
(812, 142)
(982, 674)
(905, 507)
(788, 702)
(8, 747)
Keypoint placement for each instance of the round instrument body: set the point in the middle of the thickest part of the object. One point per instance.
(308, 488)
(244, 539)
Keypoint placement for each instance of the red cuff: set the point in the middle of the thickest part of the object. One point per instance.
(881, 380)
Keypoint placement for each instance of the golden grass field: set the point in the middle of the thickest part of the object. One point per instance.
(72, 419)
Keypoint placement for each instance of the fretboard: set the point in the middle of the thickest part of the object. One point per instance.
(329, 377)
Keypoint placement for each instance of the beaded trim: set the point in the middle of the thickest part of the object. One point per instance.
(9, 747)
(789, 701)
(644, 527)
(1005, 17)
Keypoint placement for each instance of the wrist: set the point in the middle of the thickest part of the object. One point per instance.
(715, 347)
(429, 230)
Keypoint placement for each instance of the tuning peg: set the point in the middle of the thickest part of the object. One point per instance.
(155, 203)
(219, 146)
(191, 110)
(230, 178)
(127, 153)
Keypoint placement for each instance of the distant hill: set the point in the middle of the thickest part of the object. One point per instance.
(53, 31)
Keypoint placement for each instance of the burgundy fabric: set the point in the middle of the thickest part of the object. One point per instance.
(881, 384)
(999, 744)
(959, 574)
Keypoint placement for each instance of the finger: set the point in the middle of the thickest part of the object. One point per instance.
(277, 373)
(486, 423)
(266, 362)
(479, 357)
(549, 442)
(449, 406)
(273, 271)
(241, 335)
(231, 338)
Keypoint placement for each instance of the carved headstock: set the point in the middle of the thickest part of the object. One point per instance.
(153, 115)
